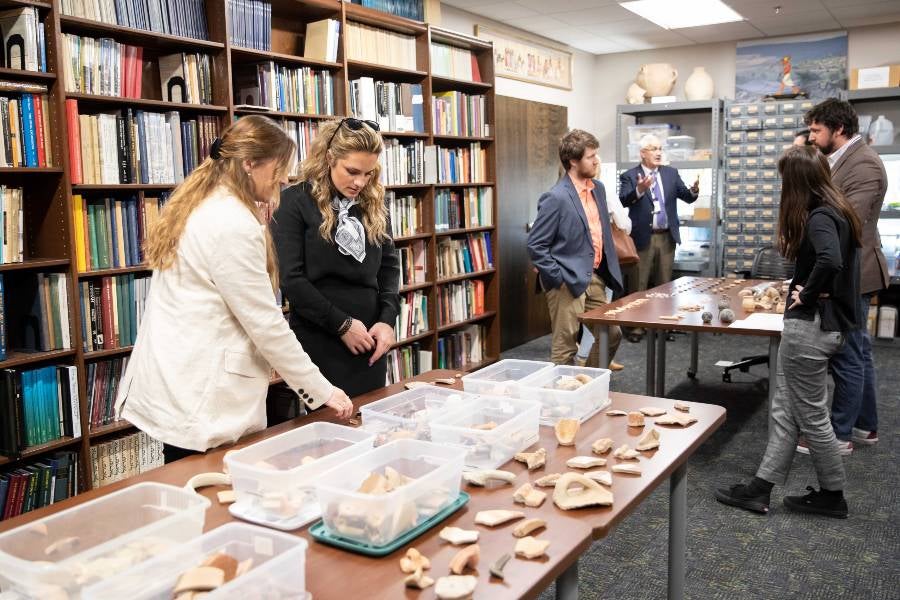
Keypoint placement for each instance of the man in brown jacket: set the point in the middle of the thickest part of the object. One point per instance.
(858, 172)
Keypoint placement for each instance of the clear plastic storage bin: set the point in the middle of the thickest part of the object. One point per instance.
(408, 415)
(274, 480)
(277, 567)
(492, 431)
(502, 378)
(57, 556)
(580, 403)
(433, 471)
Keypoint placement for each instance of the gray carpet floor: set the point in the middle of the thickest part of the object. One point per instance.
(732, 554)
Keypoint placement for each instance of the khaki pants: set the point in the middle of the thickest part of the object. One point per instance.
(564, 310)
(658, 258)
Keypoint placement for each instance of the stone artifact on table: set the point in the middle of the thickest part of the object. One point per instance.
(630, 469)
(602, 446)
(682, 406)
(467, 558)
(413, 561)
(481, 477)
(574, 490)
(616, 413)
(726, 315)
(418, 580)
(527, 527)
(529, 496)
(649, 441)
(458, 536)
(624, 452)
(603, 477)
(529, 547)
(492, 518)
(498, 566)
(566, 430)
(534, 460)
(455, 587)
(548, 480)
(682, 420)
(585, 462)
(652, 411)
(636, 419)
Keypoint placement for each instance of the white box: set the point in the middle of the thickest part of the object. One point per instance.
(378, 520)
(408, 415)
(887, 321)
(502, 378)
(278, 568)
(62, 553)
(274, 487)
(515, 428)
(558, 404)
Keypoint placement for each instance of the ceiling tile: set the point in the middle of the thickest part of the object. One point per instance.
(862, 21)
(601, 46)
(550, 8)
(465, 4)
(795, 24)
(724, 32)
(504, 11)
(599, 19)
(877, 9)
(536, 24)
(790, 7)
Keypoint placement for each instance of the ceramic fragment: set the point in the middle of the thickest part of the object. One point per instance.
(413, 561)
(653, 411)
(623, 452)
(455, 587)
(418, 580)
(226, 497)
(548, 480)
(528, 526)
(602, 446)
(492, 518)
(616, 413)
(498, 566)
(585, 462)
(630, 469)
(458, 536)
(529, 547)
(534, 460)
(635, 419)
(649, 441)
(566, 430)
(676, 419)
(603, 477)
(679, 405)
(483, 476)
(574, 490)
(529, 496)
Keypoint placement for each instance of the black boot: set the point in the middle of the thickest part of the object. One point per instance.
(824, 502)
(744, 496)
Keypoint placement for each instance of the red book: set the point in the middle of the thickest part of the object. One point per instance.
(137, 71)
(106, 314)
(476, 72)
(74, 133)
(39, 130)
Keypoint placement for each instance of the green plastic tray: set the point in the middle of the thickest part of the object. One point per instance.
(321, 534)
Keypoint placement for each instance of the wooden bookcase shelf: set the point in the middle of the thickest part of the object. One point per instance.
(52, 234)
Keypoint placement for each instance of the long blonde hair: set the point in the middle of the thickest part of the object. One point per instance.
(316, 169)
(254, 138)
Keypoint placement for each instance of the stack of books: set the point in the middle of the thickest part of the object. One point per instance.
(25, 125)
(38, 406)
(124, 457)
(460, 301)
(394, 106)
(39, 483)
(185, 18)
(405, 213)
(112, 309)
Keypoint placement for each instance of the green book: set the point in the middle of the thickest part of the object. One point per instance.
(92, 234)
(104, 240)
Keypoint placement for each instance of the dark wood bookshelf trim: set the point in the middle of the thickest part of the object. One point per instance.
(117, 271)
(465, 276)
(33, 451)
(20, 359)
(108, 187)
(455, 325)
(4, 4)
(416, 286)
(404, 134)
(383, 20)
(251, 55)
(279, 113)
(30, 170)
(142, 37)
(412, 339)
(35, 264)
(24, 74)
(374, 69)
(447, 232)
(112, 352)
(114, 427)
(462, 138)
(464, 185)
(443, 84)
(407, 186)
(161, 104)
(412, 238)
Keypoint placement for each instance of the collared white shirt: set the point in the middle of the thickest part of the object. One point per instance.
(837, 154)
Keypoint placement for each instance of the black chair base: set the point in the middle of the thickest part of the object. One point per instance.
(744, 365)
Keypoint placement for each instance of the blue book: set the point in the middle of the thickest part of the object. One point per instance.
(114, 233)
(417, 107)
(488, 249)
(467, 260)
(4, 489)
(29, 133)
(133, 244)
(51, 378)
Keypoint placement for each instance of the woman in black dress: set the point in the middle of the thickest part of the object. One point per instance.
(338, 267)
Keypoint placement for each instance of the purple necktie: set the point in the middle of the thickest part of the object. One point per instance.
(659, 219)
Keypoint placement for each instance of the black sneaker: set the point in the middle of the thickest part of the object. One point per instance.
(817, 503)
(738, 495)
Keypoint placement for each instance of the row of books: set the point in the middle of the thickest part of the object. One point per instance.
(405, 213)
(136, 146)
(402, 163)
(457, 209)
(38, 406)
(412, 263)
(102, 384)
(462, 348)
(286, 89)
(12, 225)
(380, 46)
(112, 309)
(124, 457)
(186, 77)
(469, 254)
(36, 311)
(303, 133)
(410, 9)
(457, 113)
(40, 483)
(185, 18)
(25, 124)
(250, 24)
(455, 63)
(413, 317)
(407, 361)
(102, 66)
(462, 165)
(322, 40)
(24, 39)
(394, 106)
(110, 232)
(460, 301)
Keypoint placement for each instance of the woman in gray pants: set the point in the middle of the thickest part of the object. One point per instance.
(820, 231)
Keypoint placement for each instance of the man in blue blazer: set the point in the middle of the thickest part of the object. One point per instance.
(650, 192)
(571, 246)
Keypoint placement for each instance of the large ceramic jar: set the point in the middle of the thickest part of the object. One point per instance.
(657, 78)
(699, 86)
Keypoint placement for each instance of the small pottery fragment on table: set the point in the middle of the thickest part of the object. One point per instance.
(467, 558)
(529, 496)
(413, 561)
(585, 462)
(602, 446)
(483, 476)
(623, 452)
(548, 480)
(616, 413)
(418, 580)
(653, 411)
(458, 536)
(649, 441)
(534, 460)
(455, 587)
(676, 419)
(635, 419)
(679, 405)
(574, 490)
(603, 477)
(527, 527)
(630, 469)
(566, 430)
(529, 547)
(492, 518)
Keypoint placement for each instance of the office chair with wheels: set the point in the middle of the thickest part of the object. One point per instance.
(767, 264)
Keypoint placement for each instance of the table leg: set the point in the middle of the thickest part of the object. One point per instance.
(601, 332)
(651, 361)
(567, 583)
(677, 531)
(774, 341)
(695, 354)
(660, 364)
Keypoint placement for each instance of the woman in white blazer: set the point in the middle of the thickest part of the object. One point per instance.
(198, 375)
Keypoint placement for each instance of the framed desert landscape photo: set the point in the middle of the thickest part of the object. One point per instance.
(524, 59)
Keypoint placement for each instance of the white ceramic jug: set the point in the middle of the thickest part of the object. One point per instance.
(699, 86)
(657, 78)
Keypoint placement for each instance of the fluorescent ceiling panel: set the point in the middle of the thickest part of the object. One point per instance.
(684, 13)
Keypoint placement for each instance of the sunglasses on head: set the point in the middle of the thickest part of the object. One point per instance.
(354, 125)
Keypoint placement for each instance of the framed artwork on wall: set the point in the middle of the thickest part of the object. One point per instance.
(524, 59)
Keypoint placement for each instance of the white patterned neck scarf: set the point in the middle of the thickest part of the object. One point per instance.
(349, 235)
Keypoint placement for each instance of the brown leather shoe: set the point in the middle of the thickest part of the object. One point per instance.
(614, 366)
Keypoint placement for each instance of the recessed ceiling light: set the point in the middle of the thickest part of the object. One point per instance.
(684, 13)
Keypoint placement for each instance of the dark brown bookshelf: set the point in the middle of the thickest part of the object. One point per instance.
(37, 264)
(405, 134)
(254, 56)
(448, 232)
(280, 113)
(41, 76)
(139, 37)
(416, 286)
(111, 428)
(465, 185)
(407, 186)
(118, 271)
(30, 170)
(447, 84)
(461, 138)
(104, 187)
(464, 276)
(5, 4)
(412, 339)
(412, 238)
(20, 359)
(112, 352)
(358, 68)
(33, 451)
(161, 105)
(457, 324)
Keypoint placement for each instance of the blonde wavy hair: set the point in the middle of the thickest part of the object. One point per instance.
(254, 138)
(316, 169)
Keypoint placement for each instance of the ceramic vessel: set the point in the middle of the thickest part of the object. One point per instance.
(699, 86)
(657, 78)
(635, 94)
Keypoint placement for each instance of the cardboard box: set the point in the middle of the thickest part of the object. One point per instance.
(702, 214)
(875, 77)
